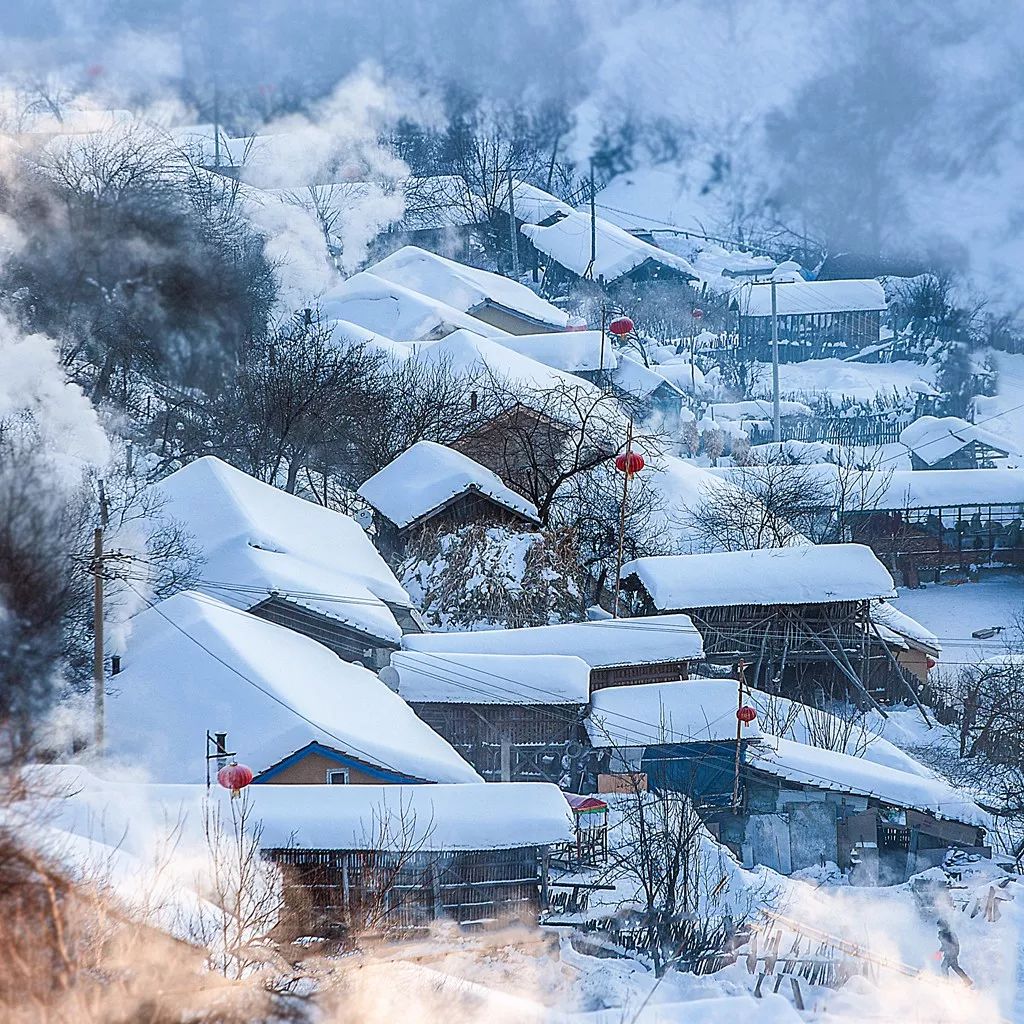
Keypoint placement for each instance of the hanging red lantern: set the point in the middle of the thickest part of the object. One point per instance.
(696, 312)
(621, 326)
(746, 714)
(629, 463)
(931, 663)
(235, 777)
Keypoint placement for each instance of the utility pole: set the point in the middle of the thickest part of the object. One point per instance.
(512, 236)
(740, 669)
(622, 523)
(216, 123)
(776, 418)
(98, 675)
(593, 225)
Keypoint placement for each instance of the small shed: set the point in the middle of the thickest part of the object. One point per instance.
(590, 822)
(431, 488)
(289, 561)
(949, 442)
(798, 616)
(490, 298)
(515, 718)
(816, 319)
(289, 708)
(620, 652)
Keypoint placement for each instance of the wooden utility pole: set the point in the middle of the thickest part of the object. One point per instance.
(622, 522)
(776, 418)
(589, 272)
(740, 669)
(98, 675)
(512, 236)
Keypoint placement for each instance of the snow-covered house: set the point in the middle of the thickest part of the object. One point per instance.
(490, 298)
(620, 652)
(916, 648)
(287, 706)
(289, 561)
(816, 319)
(949, 442)
(361, 858)
(565, 247)
(798, 616)
(433, 488)
(585, 354)
(646, 388)
(514, 717)
(397, 312)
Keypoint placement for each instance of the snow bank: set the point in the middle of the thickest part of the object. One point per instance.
(692, 710)
(933, 438)
(426, 476)
(397, 312)
(826, 769)
(258, 540)
(484, 816)
(458, 678)
(810, 574)
(603, 644)
(195, 664)
(798, 298)
(841, 379)
(571, 351)
(465, 288)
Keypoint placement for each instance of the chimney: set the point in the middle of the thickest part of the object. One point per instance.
(115, 664)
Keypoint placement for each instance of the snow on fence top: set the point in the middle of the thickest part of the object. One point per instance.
(195, 664)
(258, 541)
(532, 204)
(603, 644)
(138, 817)
(571, 351)
(457, 678)
(427, 476)
(465, 288)
(827, 769)
(933, 438)
(798, 298)
(567, 242)
(691, 711)
(397, 312)
(809, 574)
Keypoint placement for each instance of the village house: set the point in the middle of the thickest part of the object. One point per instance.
(647, 390)
(289, 561)
(620, 652)
(515, 718)
(916, 648)
(354, 860)
(431, 489)
(491, 298)
(203, 682)
(787, 804)
(951, 443)
(816, 319)
(799, 617)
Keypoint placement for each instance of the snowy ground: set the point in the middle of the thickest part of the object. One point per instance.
(836, 377)
(1001, 413)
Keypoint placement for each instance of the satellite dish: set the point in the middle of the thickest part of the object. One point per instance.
(364, 517)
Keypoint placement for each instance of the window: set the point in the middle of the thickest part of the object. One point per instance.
(337, 777)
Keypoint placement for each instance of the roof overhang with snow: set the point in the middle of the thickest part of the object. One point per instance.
(801, 298)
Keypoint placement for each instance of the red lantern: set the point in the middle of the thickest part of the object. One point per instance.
(621, 326)
(235, 777)
(931, 663)
(746, 714)
(696, 312)
(629, 463)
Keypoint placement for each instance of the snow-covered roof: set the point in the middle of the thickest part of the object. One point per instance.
(603, 644)
(682, 373)
(571, 351)
(808, 574)
(795, 298)
(259, 541)
(195, 664)
(465, 352)
(933, 488)
(397, 312)
(888, 615)
(137, 817)
(756, 409)
(827, 769)
(458, 678)
(617, 252)
(690, 711)
(636, 379)
(532, 204)
(439, 201)
(716, 264)
(465, 288)
(427, 476)
(933, 438)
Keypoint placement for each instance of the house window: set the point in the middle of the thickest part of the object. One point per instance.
(337, 777)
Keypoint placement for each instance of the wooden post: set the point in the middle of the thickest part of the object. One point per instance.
(740, 667)
(622, 523)
(506, 758)
(98, 681)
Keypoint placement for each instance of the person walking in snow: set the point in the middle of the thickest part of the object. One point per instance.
(950, 948)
